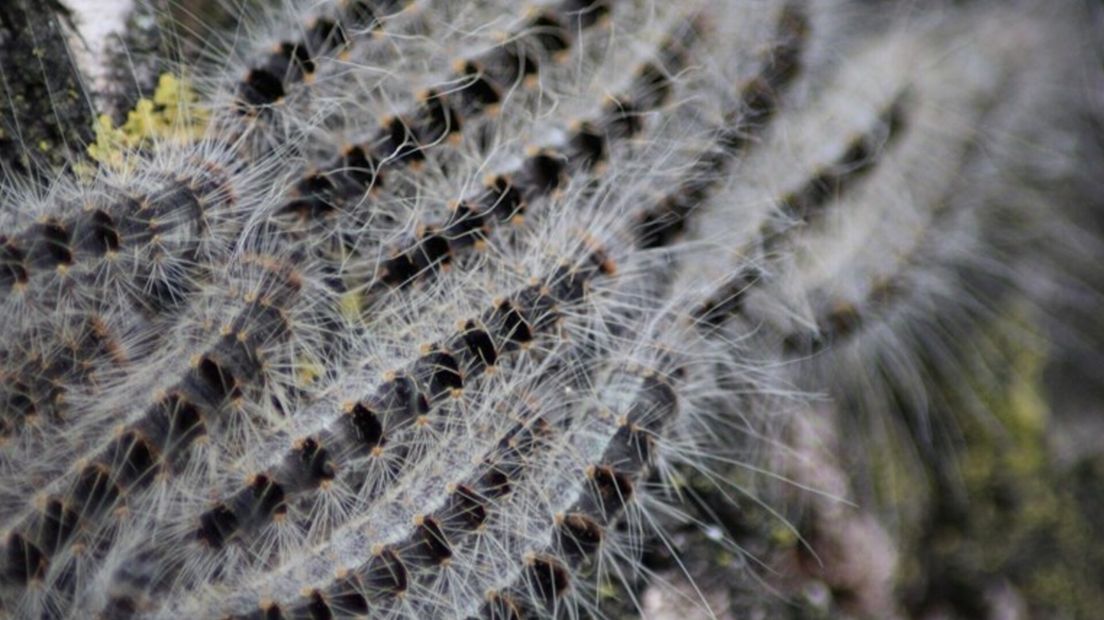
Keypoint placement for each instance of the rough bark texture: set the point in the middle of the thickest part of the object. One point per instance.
(45, 113)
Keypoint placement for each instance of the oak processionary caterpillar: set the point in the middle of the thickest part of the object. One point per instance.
(430, 309)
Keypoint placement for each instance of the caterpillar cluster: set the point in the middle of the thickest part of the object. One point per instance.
(435, 315)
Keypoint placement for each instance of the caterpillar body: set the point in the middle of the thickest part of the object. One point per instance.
(443, 302)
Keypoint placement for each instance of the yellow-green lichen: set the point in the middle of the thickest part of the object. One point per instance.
(170, 115)
(308, 370)
(349, 305)
(1016, 523)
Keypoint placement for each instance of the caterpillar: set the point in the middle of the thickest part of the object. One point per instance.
(435, 309)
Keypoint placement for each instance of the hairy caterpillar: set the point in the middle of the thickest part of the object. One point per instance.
(446, 301)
